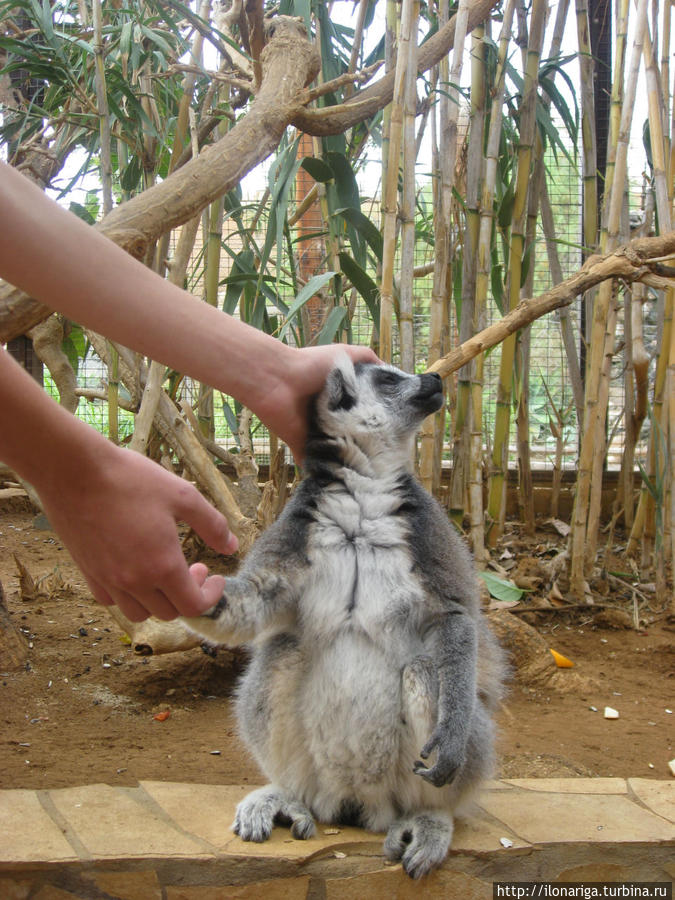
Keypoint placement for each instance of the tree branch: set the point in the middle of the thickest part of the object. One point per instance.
(366, 103)
(289, 64)
(635, 261)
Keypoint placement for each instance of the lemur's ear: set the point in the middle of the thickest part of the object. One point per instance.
(341, 385)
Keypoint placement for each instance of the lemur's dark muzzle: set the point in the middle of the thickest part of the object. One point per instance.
(430, 394)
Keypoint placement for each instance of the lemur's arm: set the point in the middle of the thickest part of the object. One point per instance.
(264, 592)
(456, 648)
(250, 603)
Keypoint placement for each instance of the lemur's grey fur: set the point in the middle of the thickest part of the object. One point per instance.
(361, 607)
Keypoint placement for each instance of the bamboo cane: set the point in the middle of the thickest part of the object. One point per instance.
(407, 208)
(616, 105)
(603, 322)
(645, 519)
(463, 423)
(497, 485)
(589, 144)
(671, 450)
(448, 114)
(483, 264)
(390, 192)
(523, 341)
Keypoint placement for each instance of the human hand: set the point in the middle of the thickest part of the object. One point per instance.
(286, 406)
(118, 520)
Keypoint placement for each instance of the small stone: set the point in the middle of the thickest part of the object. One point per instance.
(671, 766)
(506, 842)
(611, 713)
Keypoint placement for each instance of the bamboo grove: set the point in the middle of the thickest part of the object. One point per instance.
(155, 95)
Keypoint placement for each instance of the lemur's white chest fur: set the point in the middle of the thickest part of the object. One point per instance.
(361, 573)
(361, 609)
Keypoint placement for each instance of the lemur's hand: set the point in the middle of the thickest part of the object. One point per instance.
(451, 756)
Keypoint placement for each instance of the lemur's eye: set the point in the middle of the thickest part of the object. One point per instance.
(388, 378)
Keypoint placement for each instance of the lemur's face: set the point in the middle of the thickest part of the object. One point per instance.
(368, 401)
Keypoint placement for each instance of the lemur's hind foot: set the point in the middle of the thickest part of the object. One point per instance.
(260, 810)
(421, 842)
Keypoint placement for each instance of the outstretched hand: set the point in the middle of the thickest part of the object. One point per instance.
(118, 520)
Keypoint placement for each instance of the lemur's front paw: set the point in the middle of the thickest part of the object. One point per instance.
(451, 757)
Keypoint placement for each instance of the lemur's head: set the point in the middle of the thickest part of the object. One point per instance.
(372, 412)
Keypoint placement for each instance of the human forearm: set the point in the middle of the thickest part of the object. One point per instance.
(32, 423)
(79, 272)
(69, 266)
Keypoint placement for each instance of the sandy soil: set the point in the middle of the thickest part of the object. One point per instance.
(83, 709)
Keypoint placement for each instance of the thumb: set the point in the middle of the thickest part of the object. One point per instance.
(209, 524)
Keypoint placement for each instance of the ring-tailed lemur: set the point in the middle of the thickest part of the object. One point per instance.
(361, 607)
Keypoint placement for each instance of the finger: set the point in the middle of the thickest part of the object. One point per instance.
(100, 595)
(158, 605)
(206, 521)
(186, 595)
(130, 607)
(212, 589)
(199, 572)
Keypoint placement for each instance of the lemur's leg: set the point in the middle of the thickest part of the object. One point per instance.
(263, 808)
(420, 841)
(419, 699)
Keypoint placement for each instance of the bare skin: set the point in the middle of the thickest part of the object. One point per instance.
(115, 510)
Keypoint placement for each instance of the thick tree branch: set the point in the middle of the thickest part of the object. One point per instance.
(335, 120)
(636, 261)
(289, 63)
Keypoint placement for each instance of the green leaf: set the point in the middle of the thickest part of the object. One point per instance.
(308, 291)
(364, 226)
(317, 168)
(501, 589)
(332, 325)
(82, 212)
(363, 283)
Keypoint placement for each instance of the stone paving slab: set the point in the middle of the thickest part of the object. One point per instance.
(546, 817)
(27, 832)
(165, 841)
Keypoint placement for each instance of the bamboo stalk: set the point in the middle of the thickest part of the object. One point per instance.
(646, 519)
(448, 113)
(497, 485)
(356, 43)
(483, 266)
(390, 191)
(671, 449)
(463, 417)
(589, 144)
(407, 207)
(593, 436)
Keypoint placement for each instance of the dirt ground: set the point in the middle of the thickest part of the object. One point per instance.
(84, 708)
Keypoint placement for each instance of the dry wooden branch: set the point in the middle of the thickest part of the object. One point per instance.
(631, 262)
(338, 119)
(289, 63)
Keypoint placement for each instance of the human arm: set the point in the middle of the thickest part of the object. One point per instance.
(114, 509)
(69, 266)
